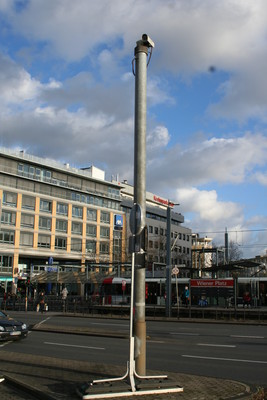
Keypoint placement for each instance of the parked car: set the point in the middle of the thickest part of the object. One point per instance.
(10, 329)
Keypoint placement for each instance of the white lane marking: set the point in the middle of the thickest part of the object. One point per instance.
(184, 333)
(215, 345)
(74, 345)
(156, 341)
(225, 359)
(44, 320)
(247, 337)
(99, 323)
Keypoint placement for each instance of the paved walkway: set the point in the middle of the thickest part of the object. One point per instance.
(51, 378)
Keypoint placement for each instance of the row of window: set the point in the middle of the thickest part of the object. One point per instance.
(28, 202)
(163, 246)
(162, 232)
(26, 239)
(174, 261)
(44, 175)
(27, 221)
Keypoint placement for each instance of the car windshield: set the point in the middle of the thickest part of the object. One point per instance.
(2, 315)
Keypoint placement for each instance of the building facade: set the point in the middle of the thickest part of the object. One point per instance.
(54, 214)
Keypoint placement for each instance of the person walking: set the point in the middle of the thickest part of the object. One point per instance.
(64, 295)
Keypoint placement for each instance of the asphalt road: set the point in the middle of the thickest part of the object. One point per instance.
(237, 352)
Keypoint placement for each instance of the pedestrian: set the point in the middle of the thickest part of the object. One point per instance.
(64, 295)
(186, 295)
(246, 300)
(42, 301)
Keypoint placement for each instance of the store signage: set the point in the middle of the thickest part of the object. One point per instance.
(212, 283)
(118, 221)
(163, 201)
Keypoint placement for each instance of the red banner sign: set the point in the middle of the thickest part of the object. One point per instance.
(212, 283)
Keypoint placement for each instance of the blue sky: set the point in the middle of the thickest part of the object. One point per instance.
(67, 93)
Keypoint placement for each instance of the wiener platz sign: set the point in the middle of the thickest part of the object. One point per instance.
(212, 283)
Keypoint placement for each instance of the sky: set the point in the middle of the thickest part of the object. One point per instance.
(67, 93)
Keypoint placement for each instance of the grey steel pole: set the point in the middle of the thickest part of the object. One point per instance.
(139, 325)
(168, 266)
(226, 245)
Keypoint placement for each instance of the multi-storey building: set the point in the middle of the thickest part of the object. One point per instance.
(201, 252)
(52, 213)
(156, 220)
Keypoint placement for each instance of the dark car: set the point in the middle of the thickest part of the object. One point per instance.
(10, 329)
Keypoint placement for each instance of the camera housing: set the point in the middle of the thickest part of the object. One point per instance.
(147, 40)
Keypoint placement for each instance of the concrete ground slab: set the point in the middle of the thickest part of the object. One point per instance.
(55, 379)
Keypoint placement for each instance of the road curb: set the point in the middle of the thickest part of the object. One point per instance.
(33, 391)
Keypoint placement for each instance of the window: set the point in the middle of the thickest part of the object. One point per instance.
(10, 199)
(8, 218)
(104, 232)
(26, 239)
(77, 212)
(150, 244)
(117, 237)
(62, 208)
(45, 223)
(104, 248)
(6, 264)
(150, 229)
(27, 220)
(77, 228)
(28, 202)
(156, 245)
(90, 246)
(91, 230)
(91, 214)
(46, 206)
(7, 237)
(76, 244)
(156, 230)
(161, 231)
(61, 225)
(105, 217)
(44, 241)
(60, 243)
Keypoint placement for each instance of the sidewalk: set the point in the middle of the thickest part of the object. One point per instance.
(51, 378)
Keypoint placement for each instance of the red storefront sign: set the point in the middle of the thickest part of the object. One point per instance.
(212, 283)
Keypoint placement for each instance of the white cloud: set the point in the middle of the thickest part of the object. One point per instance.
(207, 206)
(229, 160)
(261, 177)
(189, 37)
(16, 84)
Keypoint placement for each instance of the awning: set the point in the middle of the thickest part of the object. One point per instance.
(69, 277)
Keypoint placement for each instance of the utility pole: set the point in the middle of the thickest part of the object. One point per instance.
(168, 266)
(169, 248)
(140, 72)
(226, 246)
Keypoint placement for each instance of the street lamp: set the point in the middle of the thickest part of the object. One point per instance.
(168, 261)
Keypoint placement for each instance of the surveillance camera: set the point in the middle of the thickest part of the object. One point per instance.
(148, 41)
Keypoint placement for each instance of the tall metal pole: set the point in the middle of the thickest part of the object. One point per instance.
(141, 53)
(168, 266)
(226, 245)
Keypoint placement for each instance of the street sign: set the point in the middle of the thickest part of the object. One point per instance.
(136, 219)
(175, 270)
